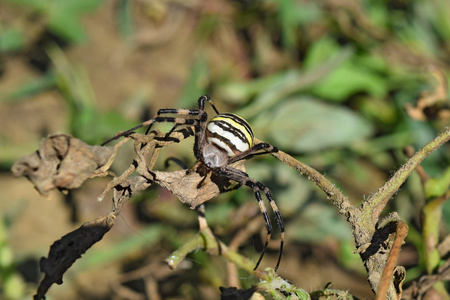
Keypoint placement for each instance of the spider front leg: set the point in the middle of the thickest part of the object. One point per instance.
(255, 150)
(178, 121)
(200, 112)
(243, 179)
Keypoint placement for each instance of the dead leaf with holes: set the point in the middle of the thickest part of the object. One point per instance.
(62, 162)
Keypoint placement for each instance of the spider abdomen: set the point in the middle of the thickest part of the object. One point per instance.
(230, 133)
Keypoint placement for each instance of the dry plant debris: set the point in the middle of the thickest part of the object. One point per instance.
(433, 104)
(64, 252)
(62, 162)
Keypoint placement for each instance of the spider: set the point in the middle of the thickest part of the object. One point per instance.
(224, 140)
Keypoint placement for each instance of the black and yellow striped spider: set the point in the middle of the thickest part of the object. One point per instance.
(224, 140)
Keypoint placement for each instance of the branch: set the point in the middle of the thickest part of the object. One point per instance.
(389, 268)
(333, 193)
(206, 240)
(378, 201)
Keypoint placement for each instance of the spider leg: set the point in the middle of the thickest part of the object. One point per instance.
(200, 209)
(124, 133)
(149, 123)
(173, 111)
(234, 187)
(186, 132)
(204, 225)
(200, 129)
(255, 150)
(177, 161)
(201, 216)
(165, 111)
(243, 179)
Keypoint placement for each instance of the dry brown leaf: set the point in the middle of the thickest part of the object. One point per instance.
(65, 251)
(62, 162)
(193, 188)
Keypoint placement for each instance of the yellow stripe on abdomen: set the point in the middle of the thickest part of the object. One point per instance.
(230, 133)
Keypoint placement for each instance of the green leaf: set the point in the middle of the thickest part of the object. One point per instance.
(304, 124)
(317, 222)
(319, 52)
(64, 17)
(125, 18)
(196, 85)
(288, 22)
(14, 287)
(446, 214)
(67, 26)
(438, 15)
(11, 40)
(347, 80)
(29, 88)
(435, 187)
(292, 81)
(360, 74)
(239, 92)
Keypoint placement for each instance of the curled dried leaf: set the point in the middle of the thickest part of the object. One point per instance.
(62, 162)
(398, 279)
(64, 252)
(194, 188)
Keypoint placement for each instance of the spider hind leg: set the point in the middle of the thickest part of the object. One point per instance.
(243, 179)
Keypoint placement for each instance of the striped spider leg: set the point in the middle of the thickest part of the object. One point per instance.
(178, 121)
(243, 179)
(234, 136)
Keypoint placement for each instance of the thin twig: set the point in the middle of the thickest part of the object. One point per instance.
(389, 267)
(206, 240)
(333, 193)
(378, 201)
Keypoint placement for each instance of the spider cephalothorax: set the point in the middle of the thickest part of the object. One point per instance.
(219, 143)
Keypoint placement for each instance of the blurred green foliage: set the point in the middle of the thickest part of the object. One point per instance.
(12, 283)
(62, 17)
(10, 40)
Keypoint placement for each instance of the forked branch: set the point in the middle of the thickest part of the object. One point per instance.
(369, 235)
